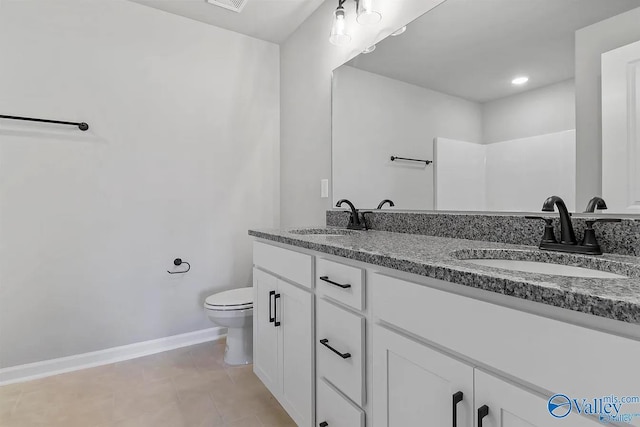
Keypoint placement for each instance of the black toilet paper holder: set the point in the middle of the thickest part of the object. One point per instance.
(177, 262)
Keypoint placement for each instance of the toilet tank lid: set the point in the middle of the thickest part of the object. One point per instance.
(233, 297)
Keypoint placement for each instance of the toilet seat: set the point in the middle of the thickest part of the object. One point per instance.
(232, 300)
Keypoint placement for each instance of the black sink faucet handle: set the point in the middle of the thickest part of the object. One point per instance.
(382, 203)
(589, 238)
(549, 235)
(595, 203)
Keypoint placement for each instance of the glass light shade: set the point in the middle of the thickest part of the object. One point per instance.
(339, 36)
(399, 31)
(366, 14)
(369, 49)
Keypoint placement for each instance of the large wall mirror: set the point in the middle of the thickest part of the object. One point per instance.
(475, 102)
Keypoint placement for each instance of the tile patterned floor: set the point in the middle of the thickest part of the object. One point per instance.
(187, 387)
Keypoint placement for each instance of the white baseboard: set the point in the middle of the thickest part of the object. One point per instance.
(32, 371)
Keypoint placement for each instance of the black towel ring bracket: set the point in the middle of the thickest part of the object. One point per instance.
(178, 262)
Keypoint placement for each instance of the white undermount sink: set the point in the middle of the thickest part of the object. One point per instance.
(545, 268)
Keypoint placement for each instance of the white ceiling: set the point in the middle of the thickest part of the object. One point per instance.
(474, 48)
(271, 20)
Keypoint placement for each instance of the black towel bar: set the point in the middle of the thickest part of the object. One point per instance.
(81, 125)
(393, 158)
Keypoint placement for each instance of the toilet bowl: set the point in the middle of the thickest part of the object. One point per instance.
(234, 310)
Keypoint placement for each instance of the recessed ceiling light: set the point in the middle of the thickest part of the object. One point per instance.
(519, 81)
(400, 31)
(369, 49)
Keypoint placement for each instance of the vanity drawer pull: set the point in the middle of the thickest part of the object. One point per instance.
(272, 318)
(275, 309)
(457, 398)
(323, 424)
(325, 342)
(483, 411)
(326, 279)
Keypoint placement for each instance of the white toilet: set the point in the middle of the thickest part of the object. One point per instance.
(234, 310)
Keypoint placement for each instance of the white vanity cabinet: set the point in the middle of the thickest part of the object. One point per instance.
(283, 335)
(415, 385)
(539, 356)
(405, 350)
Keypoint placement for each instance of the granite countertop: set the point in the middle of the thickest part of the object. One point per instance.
(444, 258)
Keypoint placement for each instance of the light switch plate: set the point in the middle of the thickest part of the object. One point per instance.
(324, 188)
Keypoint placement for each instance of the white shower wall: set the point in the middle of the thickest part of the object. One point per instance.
(522, 173)
(517, 175)
(459, 175)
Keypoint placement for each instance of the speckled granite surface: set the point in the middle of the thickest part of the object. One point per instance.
(443, 258)
(621, 238)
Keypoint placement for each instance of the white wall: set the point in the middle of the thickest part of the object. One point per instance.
(591, 43)
(375, 117)
(541, 111)
(181, 158)
(306, 60)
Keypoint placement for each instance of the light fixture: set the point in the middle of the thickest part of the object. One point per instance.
(365, 15)
(369, 49)
(400, 31)
(519, 81)
(339, 36)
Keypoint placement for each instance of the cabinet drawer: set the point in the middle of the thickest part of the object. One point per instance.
(292, 265)
(341, 282)
(335, 410)
(340, 349)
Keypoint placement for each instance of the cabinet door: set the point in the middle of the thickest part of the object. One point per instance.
(295, 337)
(512, 406)
(414, 385)
(265, 334)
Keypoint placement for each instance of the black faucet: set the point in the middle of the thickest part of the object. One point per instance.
(381, 204)
(595, 203)
(568, 243)
(567, 235)
(354, 219)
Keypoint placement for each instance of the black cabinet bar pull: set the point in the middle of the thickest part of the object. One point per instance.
(323, 424)
(483, 411)
(276, 297)
(457, 398)
(271, 316)
(326, 279)
(325, 342)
